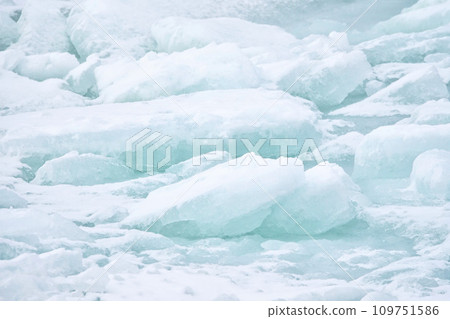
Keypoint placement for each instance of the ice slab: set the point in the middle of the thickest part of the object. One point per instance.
(83, 169)
(213, 67)
(400, 97)
(427, 228)
(389, 151)
(31, 275)
(432, 113)
(104, 129)
(82, 78)
(275, 260)
(430, 174)
(59, 262)
(8, 30)
(10, 199)
(391, 72)
(39, 229)
(45, 66)
(327, 81)
(10, 58)
(179, 33)
(406, 47)
(423, 15)
(215, 203)
(21, 94)
(42, 27)
(92, 26)
(308, 207)
(341, 148)
(187, 168)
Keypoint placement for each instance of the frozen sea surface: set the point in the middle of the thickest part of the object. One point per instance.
(369, 222)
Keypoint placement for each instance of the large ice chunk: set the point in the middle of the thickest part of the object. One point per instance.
(128, 23)
(431, 174)
(45, 66)
(187, 168)
(9, 198)
(389, 151)
(231, 200)
(212, 67)
(310, 209)
(42, 27)
(432, 113)
(104, 129)
(423, 15)
(10, 58)
(82, 78)
(179, 34)
(21, 94)
(37, 228)
(406, 47)
(341, 148)
(8, 30)
(139, 241)
(401, 97)
(29, 276)
(11, 248)
(216, 202)
(391, 72)
(328, 81)
(82, 169)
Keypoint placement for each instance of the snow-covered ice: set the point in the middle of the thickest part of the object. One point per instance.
(45, 66)
(225, 190)
(252, 220)
(430, 174)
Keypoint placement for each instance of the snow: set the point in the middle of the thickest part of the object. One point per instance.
(341, 148)
(369, 222)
